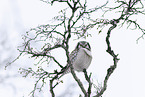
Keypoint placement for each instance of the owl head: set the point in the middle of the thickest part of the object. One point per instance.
(83, 44)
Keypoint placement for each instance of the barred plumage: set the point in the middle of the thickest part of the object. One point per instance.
(80, 57)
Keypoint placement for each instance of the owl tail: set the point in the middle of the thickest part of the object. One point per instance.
(65, 71)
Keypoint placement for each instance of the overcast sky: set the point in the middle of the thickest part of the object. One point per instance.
(128, 80)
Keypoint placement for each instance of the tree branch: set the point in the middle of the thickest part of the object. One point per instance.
(88, 78)
(113, 67)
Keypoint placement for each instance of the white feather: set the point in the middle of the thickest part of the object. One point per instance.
(83, 60)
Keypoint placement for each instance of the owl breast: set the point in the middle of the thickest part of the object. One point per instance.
(83, 60)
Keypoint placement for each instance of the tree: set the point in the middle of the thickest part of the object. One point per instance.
(65, 26)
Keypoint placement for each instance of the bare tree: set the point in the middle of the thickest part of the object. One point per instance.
(57, 34)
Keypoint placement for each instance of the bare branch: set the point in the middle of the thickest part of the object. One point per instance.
(89, 81)
(114, 23)
(113, 67)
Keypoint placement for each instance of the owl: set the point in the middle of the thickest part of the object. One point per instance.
(80, 57)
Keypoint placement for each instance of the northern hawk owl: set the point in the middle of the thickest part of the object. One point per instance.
(80, 57)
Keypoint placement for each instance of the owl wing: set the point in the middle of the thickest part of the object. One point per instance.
(72, 58)
(73, 55)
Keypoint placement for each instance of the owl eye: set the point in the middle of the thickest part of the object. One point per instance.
(80, 45)
(88, 46)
